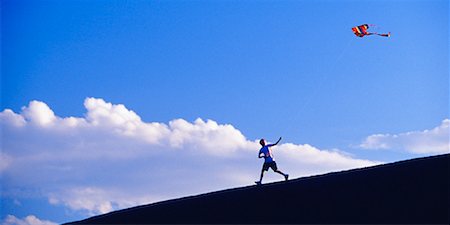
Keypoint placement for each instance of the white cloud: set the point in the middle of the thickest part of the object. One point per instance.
(432, 141)
(38, 113)
(12, 119)
(29, 220)
(111, 159)
(98, 201)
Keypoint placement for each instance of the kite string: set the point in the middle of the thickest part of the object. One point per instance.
(341, 54)
(319, 82)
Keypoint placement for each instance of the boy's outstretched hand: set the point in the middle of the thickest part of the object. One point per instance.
(278, 141)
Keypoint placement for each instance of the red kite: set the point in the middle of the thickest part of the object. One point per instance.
(361, 31)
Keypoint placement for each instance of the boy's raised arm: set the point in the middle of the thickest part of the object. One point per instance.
(277, 141)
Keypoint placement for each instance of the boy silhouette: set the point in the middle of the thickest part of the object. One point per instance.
(266, 153)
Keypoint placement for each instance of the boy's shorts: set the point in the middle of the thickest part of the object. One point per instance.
(268, 165)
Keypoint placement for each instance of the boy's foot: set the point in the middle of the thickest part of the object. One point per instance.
(286, 176)
(258, 182)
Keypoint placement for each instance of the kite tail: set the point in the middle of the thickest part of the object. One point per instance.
(383, 35)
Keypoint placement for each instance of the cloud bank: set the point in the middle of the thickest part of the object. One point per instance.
(111, 159)
(434, 141)
(29, 220)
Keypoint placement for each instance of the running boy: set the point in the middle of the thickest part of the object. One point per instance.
(266, 153)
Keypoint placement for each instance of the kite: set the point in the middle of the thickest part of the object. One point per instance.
(361, 31)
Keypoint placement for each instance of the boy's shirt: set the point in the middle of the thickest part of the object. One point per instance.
(268, 157)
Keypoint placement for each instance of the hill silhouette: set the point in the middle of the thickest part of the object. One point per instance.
(409, 192)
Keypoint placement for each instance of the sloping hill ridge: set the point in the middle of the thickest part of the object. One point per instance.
(408, 192)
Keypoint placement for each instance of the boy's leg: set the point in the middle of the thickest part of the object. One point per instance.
(278, 171)
(261, 177)
(275, 169)
(265, 167)
(286, 176)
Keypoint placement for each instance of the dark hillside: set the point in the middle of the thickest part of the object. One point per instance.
(408, 192)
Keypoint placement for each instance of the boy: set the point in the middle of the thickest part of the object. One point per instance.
(269, 162)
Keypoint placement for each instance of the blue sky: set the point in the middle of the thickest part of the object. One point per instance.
(265, 68)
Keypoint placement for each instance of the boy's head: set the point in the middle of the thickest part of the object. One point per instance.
(262, 142)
